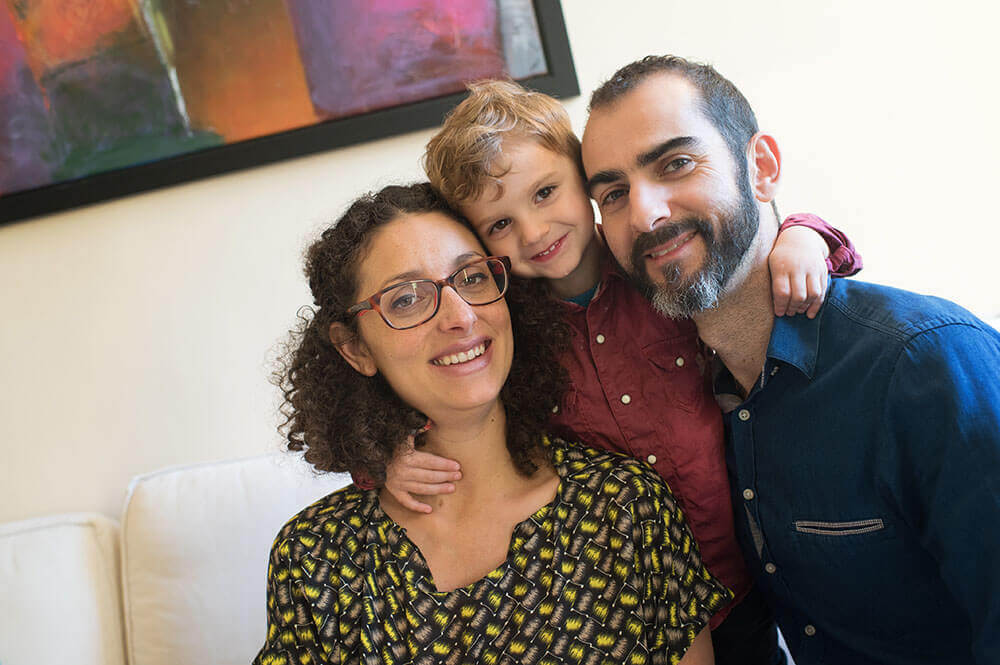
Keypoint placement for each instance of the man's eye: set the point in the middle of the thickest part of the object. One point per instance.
(499, 225)
(676, 164)
(612, 196)
(544, 192)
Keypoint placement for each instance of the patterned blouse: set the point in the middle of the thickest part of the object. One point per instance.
(608, 572)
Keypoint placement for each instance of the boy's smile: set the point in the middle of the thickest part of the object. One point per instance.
(540, 216)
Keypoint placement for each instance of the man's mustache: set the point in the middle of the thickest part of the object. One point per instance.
(646, 242)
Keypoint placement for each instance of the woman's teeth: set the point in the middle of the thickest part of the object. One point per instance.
(463, 357)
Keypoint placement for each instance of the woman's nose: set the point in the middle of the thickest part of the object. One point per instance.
(453, 312)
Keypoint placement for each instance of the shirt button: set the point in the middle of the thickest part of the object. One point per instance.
(809, 630)
(748, 494)
(679, 362)
(774, 370)
(600, 339)
(744, 415)
(651, 459)
(555, 409)
(626, 398)
(770, 568)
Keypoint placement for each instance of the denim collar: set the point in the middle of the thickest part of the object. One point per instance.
(795, 340)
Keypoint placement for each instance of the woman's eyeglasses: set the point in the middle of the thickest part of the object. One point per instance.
(408, 304)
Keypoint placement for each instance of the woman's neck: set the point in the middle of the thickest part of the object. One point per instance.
(478, 442)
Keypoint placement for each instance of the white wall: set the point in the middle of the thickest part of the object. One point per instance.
(137, 333)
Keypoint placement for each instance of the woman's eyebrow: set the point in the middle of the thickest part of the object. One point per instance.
(411, 275)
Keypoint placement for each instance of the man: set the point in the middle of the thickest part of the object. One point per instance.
(863, 445)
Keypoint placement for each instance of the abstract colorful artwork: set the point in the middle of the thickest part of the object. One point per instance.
(100, 98)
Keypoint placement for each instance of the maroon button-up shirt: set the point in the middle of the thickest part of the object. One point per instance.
(640, 386)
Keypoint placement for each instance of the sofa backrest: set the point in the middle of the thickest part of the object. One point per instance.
(195, 543)
(60, 600)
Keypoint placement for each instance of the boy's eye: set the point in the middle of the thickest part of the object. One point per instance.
(499, 225)
(544, 192)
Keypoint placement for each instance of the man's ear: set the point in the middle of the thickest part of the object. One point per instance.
(351, 347)
(765, 166)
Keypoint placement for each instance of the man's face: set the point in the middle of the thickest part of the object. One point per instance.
(677, 212)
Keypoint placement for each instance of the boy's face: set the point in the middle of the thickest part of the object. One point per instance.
(542, 218)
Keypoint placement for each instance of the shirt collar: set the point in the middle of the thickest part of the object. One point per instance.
(795, 341)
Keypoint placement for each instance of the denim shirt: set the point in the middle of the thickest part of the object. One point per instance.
(865, 470)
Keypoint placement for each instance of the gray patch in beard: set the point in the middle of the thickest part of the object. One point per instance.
(726, 248)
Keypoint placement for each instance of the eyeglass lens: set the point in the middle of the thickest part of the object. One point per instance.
(412, 303)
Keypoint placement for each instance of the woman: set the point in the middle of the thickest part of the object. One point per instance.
(545, 553)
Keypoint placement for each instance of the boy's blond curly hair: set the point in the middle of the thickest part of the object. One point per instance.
(461, 159)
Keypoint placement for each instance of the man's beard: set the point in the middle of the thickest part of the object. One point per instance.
(680, 298)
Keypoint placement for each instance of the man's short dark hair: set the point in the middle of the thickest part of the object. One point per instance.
(721, 102)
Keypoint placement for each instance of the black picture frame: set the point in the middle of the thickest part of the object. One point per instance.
(560, 81)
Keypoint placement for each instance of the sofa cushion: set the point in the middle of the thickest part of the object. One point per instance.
(195, 548)
(60, 599)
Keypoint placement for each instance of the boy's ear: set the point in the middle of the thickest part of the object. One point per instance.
(765, 166)
(351, 347)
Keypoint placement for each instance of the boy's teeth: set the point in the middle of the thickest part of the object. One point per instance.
(549, 250)
(461, 357)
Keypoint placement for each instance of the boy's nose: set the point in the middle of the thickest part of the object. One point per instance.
(533, 232)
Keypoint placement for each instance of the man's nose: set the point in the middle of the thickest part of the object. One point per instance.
(649, 207)
(453, 312)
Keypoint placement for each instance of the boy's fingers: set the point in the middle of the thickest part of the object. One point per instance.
(780, 291)
(817, 288)
(799, 292)
(431, 461)
(430, 476)
(427, 489)
(410, 503)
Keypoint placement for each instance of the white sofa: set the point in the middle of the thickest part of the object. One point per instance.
(180, 580)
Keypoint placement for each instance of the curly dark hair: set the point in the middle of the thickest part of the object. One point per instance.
(346, 421)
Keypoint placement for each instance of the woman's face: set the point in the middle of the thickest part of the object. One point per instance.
(422, 364)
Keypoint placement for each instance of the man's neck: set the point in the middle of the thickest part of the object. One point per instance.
(739, 329)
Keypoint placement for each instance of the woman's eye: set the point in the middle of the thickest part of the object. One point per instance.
(473, 278)
(499, 225)
(405, 301)
(545, 192)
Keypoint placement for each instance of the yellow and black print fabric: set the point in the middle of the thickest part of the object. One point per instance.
(607, 573)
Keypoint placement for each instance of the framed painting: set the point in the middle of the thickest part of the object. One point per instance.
(104, 98)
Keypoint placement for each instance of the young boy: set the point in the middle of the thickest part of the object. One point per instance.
(509, 161)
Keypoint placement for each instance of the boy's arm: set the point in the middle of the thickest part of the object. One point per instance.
(842, 260)
(807, 248)
(415, 472)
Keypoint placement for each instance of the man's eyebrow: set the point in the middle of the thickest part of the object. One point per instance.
(647, 158)
(603, 178)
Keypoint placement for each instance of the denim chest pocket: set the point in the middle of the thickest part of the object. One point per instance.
(840, 529)
(677, 368)
(853, 569)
